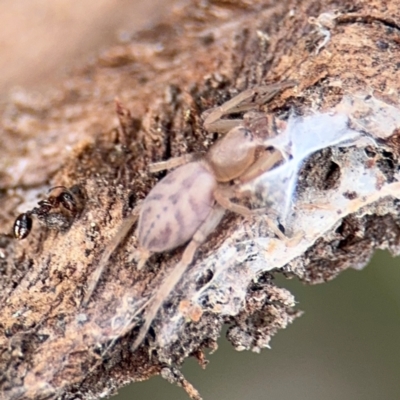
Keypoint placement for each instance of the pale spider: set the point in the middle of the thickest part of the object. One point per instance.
(189, 203)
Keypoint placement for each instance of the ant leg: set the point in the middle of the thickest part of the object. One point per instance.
(111, 247)
(173, 162)
(177, 272)
(244, 101)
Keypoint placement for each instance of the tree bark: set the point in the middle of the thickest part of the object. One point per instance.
(344, 56)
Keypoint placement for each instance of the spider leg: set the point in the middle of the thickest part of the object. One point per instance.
(222, 125)
(111, 247)
(177, 272)
(173, 162)
(141, 257)
(223, 197)
(244, 101)
(263, 164)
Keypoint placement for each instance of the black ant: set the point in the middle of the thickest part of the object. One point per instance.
(68, 202)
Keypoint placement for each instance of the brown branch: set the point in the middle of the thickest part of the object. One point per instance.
(197, 58)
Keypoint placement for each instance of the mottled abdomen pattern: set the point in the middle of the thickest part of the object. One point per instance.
(176, 207)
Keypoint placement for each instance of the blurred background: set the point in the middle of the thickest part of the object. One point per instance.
(41, 39)
(346, 345)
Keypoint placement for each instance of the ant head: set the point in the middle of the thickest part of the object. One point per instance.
(71, 199)
(67, 200)
(232, 154)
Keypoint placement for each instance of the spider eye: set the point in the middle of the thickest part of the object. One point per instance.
(247, 134)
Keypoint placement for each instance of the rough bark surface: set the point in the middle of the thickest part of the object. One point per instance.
(201, 55)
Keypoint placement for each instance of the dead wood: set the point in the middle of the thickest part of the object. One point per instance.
(164, 78)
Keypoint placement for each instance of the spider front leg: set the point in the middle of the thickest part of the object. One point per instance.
(264, 163)
(244, 101)
(111, 247)
(177, 272)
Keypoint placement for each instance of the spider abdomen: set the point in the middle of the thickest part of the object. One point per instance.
(176, 207)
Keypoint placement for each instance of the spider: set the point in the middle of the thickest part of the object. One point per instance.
(70, 200)
(187, 205)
